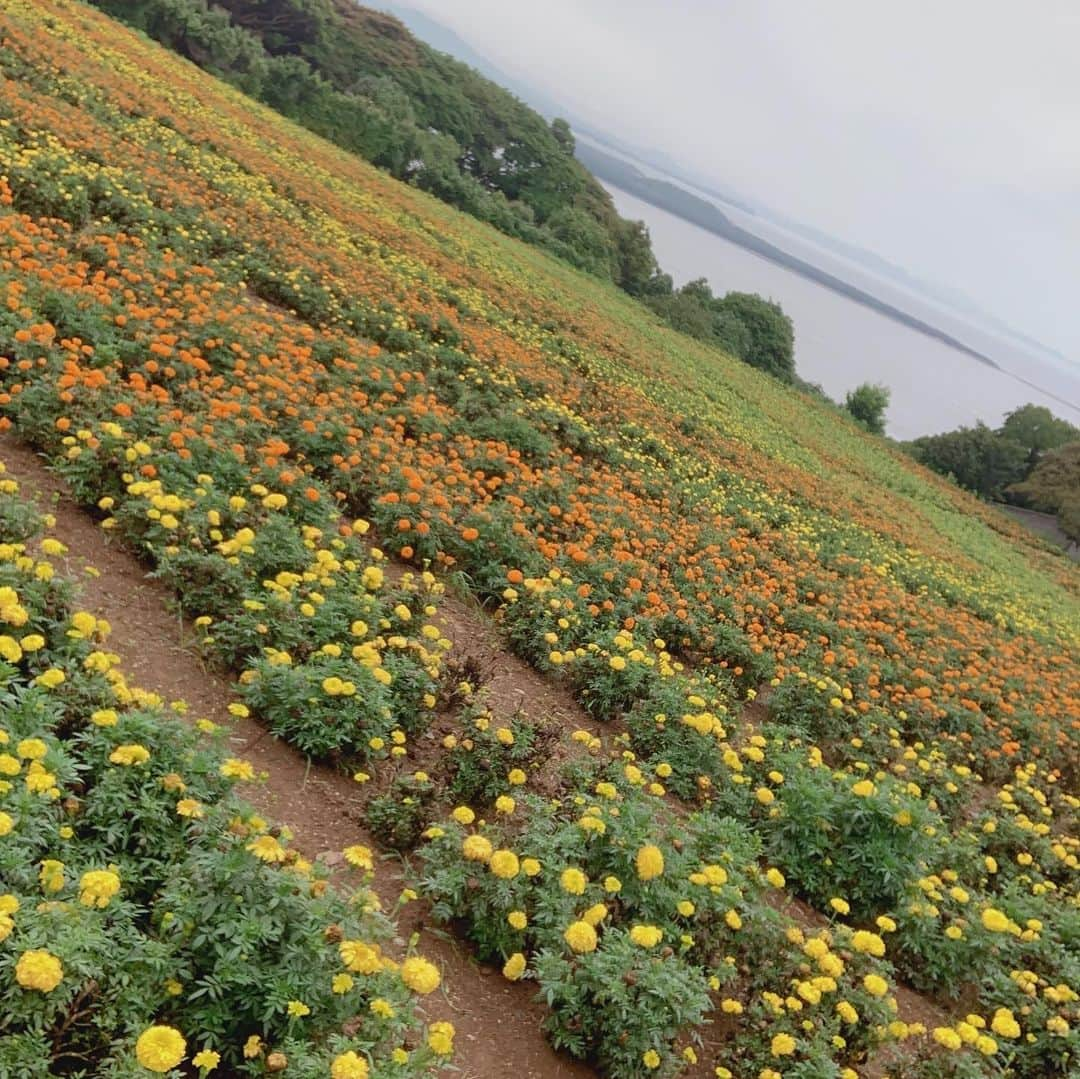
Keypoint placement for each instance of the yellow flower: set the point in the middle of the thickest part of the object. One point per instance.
(504, 864)
(253, 1047)
(97, 887)
(595, 914)
(733, 920)
(573, 881)
(514, 967)
(476, 848)
(233, 768)
(342, 983)
(764, 796)
(782, 1045)
(650, 1058)
(517, 919)
(649, 862)
(267, 849)
(129, 755)
(51, 875)
(870, 943)
(32, 749)
(206, 1060)
(612, 885)
(349, 1065)
(947, 1037)
(420, 975)
(995, 921)
(189, 807)
(463, 815)
(775, 878)
(298, 1009)
(505, 805)
(875, 985)
(516, 777)
(840, 905)
(646, 936)
(359, 957)
(530, 867)
(1004, 1024)
(441, 1038)
(359, 856)
(847, 1012)
(160, 1049)
(51, 678)
(6, 823)
(382, 1008)
(581, 937)
(40, 970)
(863, 789)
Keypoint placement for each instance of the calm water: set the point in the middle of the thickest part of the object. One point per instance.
(840, 343)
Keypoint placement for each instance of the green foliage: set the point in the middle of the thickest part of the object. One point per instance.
(1054, 487)
(977, 458)
(867, 403)
(1038, 430)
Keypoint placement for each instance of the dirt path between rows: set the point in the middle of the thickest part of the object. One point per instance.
(498, 1022)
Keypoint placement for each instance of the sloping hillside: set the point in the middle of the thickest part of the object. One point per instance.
(825, 672)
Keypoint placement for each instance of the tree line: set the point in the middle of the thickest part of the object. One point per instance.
(1031, 460)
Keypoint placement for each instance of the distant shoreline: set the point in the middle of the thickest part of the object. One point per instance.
(698, 211)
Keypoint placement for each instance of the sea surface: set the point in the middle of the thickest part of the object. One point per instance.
(840, 343)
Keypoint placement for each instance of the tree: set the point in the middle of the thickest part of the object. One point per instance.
(635, 261)
(586, 237)
(1054, 487)
(867, 403)
(977, 458)
(563, 135)
(1037, 429)
(772, 336)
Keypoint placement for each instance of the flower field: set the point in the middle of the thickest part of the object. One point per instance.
(313, 400)
(123, 836)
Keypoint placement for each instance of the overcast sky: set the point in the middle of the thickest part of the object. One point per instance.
(945, 136)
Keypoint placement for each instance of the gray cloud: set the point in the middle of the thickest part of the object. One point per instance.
(942, 136)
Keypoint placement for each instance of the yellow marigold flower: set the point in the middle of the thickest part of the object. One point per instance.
(463, 815)
(847, 1012)
(581, 937)
(870, 943)
(733, 920)
(189, 807)
(1004, 1024)
(382, 1008)
(129, 755)
(440, 1038)
(349, 1065)
(97, 887)
(206, 1060)
(841, 906)
(516, 777)
(595, 914)
(685, 908)
(420, 975)
(885, 923)
(764, 796)
(947, 1037)
(775, 878)
(649, 862)
(6, 823)
(530, 867)
(267, 848)
(731, 1007)
(253, 1047)
(517, 919)
(863, 789)
(359, 957)
(51, 678)
(504, 864)
(476, 848)
(782, 1045)
(51, 875)
(995, 921)
(160, 1049)
(650, 1058)
(342, 983)
(617, 663)
(505, 805)
(359, 856)
(514, 967)
(298, 1009)
(39, 970)
(573, 881)
(233, 768)
(646, 936)
(612, 885)
(875, 985)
